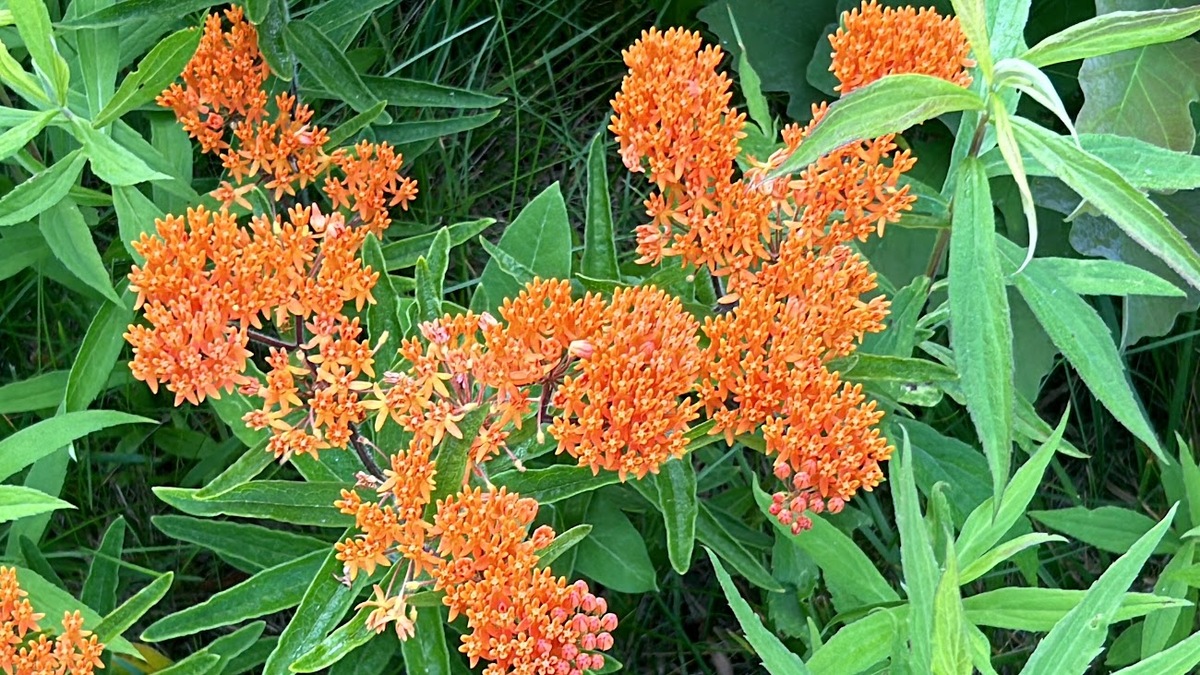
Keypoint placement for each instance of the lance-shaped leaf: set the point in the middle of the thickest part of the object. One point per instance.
(1112, 195)
(1114, 32)
(981, 328)
(889, 105)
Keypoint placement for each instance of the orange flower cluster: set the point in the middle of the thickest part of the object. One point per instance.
(522, 619)
(75, 650)
(208, 284)
(875, 41)
(586, 365)
(793, 286)
(223, 81)
(224, 92)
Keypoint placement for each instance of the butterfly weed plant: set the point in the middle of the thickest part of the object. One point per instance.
(747, 369)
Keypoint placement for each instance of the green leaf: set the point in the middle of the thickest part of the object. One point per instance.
(329, 65)
(1082, 336)
(517, 271)
(848, 572)
(154, 73)
(342, 20)
(676, 487)
(52, 601)
(1181, 659)
(562, 543)
(38, 440)
(17, 137)
(198, 663)
(776, 658)
(112, 162)
(539, 239)
(614, 553)
(348, 637)
(987, 524)
(750, 83)
(951, 653)
(63, 228)
(240, 472)
(18, 501)
(426, 653)
(250, 548)
(1146, 166)
(406, 252)
(1007, 142)
(875, 368)
(256, 10)
(972, 16)
(429, 297)
(299, 503)
(383, 315)
(940, 459)
(100, 586)
(404, 133)
(36, 393)
(136, 11)
(1076, 640)
(98, 61)
(135, 215)
(324, 604)
(20, 80)
(986, 562)
(599, 246)
(716, 537)
(122, 618)
(1159, 626)
(273, 40)
(33, 23)
(1102, 277)
(1112, 195)
(451, 458)
(892, 104)
(859, 645)
(553, 483)
(981, 332)
(1108, 528)
(102, 344)
(917, 561)
(1041, 609)
(404, 93)
(766, 25)
(272, 590)
(1114, 32)
(351, 127)
(45, 189)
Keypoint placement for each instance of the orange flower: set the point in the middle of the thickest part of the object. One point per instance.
(207, 282)
(372, 183)
(623, 411)
(522, 618)
(875, 41)
(74, 651)
(223, 81)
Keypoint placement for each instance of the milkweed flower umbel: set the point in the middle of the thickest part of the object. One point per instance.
(74, 650)
(874, 41)
(792, 286)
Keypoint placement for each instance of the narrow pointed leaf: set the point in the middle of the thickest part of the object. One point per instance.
(891, 104)
(776, 658)
(981, 328)
(1076, 640)
(599, 247)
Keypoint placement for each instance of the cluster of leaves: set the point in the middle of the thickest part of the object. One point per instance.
(975, 339)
